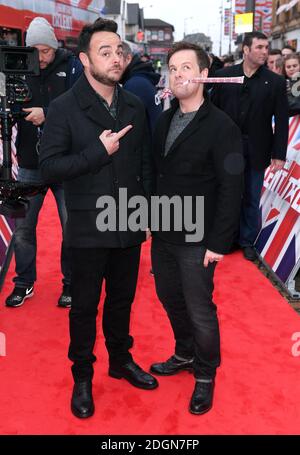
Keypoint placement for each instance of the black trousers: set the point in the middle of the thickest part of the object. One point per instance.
(119, 267)
(185, 287)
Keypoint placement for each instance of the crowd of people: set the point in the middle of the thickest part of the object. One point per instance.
(94, 128)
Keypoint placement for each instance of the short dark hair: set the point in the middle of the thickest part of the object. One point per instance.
(126, 49)
(202, 57)
(274, 52)
(100, 25)
(249, 37)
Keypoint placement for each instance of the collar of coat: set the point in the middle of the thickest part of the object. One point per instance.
(89, 102)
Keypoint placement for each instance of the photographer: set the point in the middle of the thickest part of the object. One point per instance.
(59, 69)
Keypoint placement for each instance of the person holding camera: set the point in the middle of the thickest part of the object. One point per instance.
(59, 69)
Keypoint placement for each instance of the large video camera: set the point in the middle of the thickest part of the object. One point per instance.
(15, 64)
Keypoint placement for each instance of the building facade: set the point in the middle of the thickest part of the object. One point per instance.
(159, 36)
(286, 24)
(201, 40)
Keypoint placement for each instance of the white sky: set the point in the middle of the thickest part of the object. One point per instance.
(189, 16)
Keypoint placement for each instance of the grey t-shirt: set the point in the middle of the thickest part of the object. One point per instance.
(177, 125)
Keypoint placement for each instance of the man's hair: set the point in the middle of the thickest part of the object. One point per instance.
(202, 57)
(126, 49)
(249, 37)
(274, 52)
(100, 25)
(279, 63)
(287, 46)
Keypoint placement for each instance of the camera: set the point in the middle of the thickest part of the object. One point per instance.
(16, 62)
(19, 60)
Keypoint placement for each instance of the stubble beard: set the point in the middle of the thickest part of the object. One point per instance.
(103, 79)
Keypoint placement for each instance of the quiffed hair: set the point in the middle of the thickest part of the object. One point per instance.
(100, 25)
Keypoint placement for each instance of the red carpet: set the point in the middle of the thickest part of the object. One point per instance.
(257, 389)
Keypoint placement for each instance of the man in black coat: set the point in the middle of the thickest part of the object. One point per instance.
(252, 107)
(198, 157)
(58, 70)
(96, 141)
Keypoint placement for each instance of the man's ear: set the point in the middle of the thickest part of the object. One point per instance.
(246, 50)
(204, 73)
(84, 59)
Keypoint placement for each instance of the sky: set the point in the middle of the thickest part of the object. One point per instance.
(189, 16)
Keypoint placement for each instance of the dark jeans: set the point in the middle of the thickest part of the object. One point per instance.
(250, 217)
(185, 287)
(119, 267)
(25, 245)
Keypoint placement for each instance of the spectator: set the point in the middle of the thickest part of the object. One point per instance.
(292, 74)
(279, 66)
(140, 79)
(252, 106)
(287, 50)
(274, 55)
(58, 70)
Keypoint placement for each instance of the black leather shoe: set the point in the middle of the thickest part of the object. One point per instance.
(172, 366)
(133, 374)
(82, 404)
(202, 398)
(249, 253)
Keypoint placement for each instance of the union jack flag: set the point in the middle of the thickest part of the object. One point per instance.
(278, 241)
(240, 6)
(263, 16)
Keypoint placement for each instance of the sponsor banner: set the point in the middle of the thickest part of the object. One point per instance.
(278, 242)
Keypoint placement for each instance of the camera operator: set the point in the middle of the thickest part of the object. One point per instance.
(59, 69)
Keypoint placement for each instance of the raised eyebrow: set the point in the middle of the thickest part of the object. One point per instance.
(104, 47)
(184, 63)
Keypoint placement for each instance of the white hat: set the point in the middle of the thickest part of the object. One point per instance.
(41, 32)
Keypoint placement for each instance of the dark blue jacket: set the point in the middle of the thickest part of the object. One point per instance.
(140, 79)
